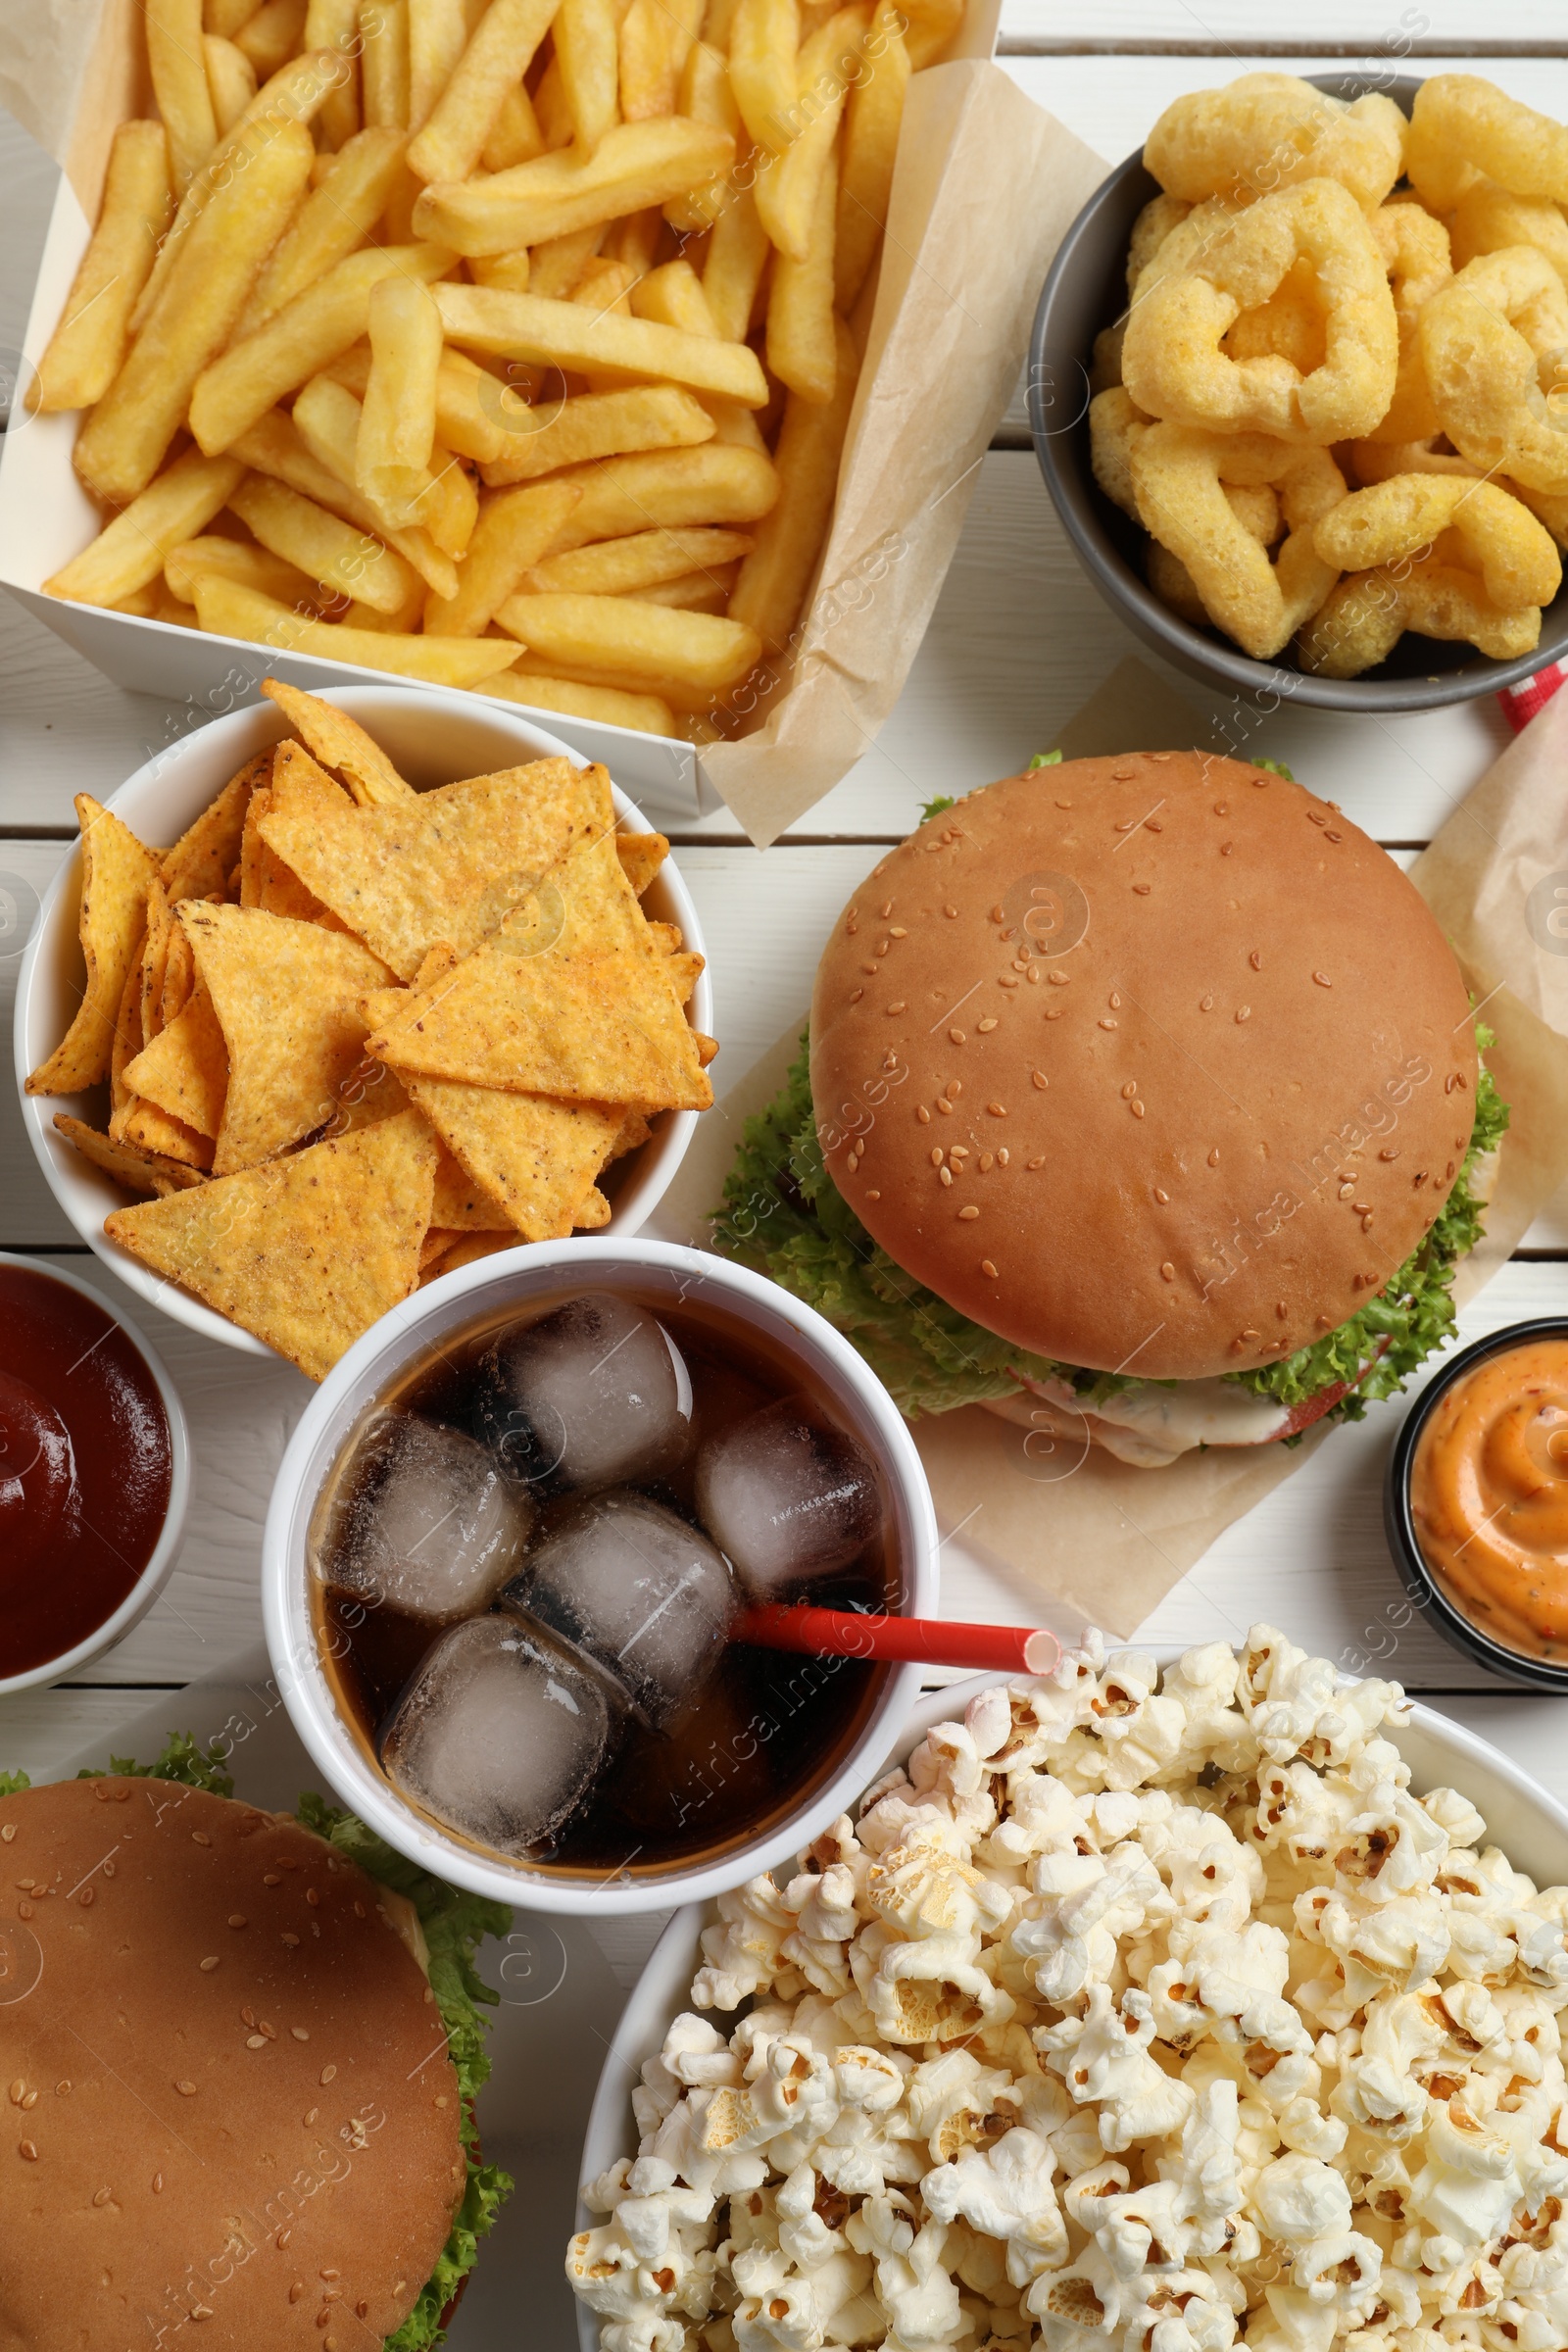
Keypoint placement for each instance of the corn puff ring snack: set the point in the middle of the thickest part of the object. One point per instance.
(1173, 363)
(1415, 512)
(1153, 224)
(1376, 461)
(1362, 621)
(1105, 369)
(1177, 475)
(1485, 340)
(1357, 627)
(1115, 428)
(1267, 131)
(1201, 232)
(1463, 130)
(1415, 254)
(1256, 507)
(1487, 218)
(1549, 506)
(1290, 326)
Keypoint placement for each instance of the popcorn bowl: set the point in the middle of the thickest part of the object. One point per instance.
(482, 1293)
(1530, 1826)
(1085, 291)
(434, 736)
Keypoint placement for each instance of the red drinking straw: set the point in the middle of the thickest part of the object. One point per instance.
(919, 1640)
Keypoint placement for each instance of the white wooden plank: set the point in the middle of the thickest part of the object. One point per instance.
(28, 1216)
(1371, 27)
(42, 1732)
(1112, 101)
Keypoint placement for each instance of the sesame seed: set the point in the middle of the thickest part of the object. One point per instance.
(899, 1007)
(1007, 979)
(946, 1175)
(272, 1877)
(1038, 1078)
(255, 2042)
(1168, 1271)
(9, 1832)
(936, 1155)
(312, 2115)
(85, 1898)
(884, 911)
(869, 967)
(300, 2033)
(987, 1269)
(18, 2091)
(986, 1026)
(957, 1036)
(1244, 1012)
(1001, 1154)
(997, 1111)
(1161, 1194)
(882, 947)
(186, 2090)
(1057, 979)
(236, 1918)
(1129, 1089)
(944, 1107)
(1213, 1157)
(61, 2090)
(898, 932)
(1140, 890)
(328, 2074)
(1322, 979)
(999, 914)
(28, 2152)
(1137, 1110)
(1116, 1001)
(873, 1195)
(1225, 848)
(950, 912)
(1222, 808)
(1331, 835)
(959, 1152)
(296, 2291)
(922, 1114)
(968, 1215)
(1035, 1164)
(200, 1837)
(201, 2311)
(101, 2196)
(1280, 1309)
(290, 1940)
(954, 1089)
(986, 1160)
(1255, 960)
(1206, 1004)
(208, 1964)
(1389, 1153)
(855, 993)
(1346, 1190)
(1109, 1024)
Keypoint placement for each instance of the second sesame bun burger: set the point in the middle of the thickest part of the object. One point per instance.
(233, 2115)
(1144, 1102)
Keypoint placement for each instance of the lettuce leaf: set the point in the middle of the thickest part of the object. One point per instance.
(783, 1215)
(454, 1925)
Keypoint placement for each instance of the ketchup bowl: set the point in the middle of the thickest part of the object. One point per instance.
(94, 1474)
(1479, 1468)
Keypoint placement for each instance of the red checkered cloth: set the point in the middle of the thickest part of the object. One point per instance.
(1521, 702)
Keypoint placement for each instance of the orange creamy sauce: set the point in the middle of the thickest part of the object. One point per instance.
(1489, 1495)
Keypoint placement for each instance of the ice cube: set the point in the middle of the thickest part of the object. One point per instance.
(432, 1526)
(592, 1395)
(498, 1734)
(786, 1494)
(637, 1592)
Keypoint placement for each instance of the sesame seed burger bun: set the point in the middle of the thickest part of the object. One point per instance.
(267, 2146)
(1151, 1064)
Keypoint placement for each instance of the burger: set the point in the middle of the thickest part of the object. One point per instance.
(1142, 1102)
(241, 2050)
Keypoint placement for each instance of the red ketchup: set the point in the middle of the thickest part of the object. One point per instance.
(85, 1467)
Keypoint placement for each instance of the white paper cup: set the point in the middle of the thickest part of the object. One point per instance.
(456, 1303)
(433, 737)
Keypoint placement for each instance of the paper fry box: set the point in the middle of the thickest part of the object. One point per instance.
(985, 185)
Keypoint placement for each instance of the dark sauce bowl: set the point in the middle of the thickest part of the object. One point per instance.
(1417, 1576)
(1087, 290)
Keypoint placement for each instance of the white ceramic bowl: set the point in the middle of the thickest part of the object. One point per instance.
(474, 1295)
(433, 737)
(155, 1575)
(1531, 1827)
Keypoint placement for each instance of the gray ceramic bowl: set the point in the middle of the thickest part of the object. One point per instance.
(1086, 291)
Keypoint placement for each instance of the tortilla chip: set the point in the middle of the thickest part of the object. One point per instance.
(116, 870)
(683, 969)
(138, 1170)
(149, 1129)
(448, 864)
(665, 938)
(266, 880)
(433, 1248)
(307, 1251)
(641, 856)
(471, 1246)
(179, 978)
(592, 1211)
(707, 1048)
(185, 1068)
(286, 996)
(460, 1205)
(634, 1133)
(568, 998)
(369, 1091)
(341, 746)
(128, 1039)
(537, 1157)
(154, 961)
(204, 858)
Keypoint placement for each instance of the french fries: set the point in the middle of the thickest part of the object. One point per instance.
(516, 340)
(88, 347)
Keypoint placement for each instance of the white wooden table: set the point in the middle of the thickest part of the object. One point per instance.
(1017, 643)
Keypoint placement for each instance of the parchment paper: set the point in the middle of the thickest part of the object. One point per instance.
(986, 185)
(1103, 1537)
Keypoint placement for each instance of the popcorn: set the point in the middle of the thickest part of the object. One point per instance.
(1135, 2014)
